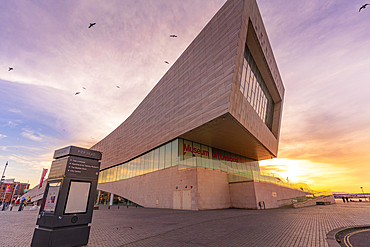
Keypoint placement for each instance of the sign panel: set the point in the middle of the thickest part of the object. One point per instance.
(82, 167)
(78, 197)
(76, 151)
(58, 167)
(51, 197)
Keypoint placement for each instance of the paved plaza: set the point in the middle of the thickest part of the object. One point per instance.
(228, 227)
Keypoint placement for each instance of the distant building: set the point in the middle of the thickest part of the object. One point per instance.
(12, 189)
(195, 141)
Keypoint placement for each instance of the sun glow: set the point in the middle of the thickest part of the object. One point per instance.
(318, 176)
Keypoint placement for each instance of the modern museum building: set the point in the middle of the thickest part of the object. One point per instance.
(194, 142)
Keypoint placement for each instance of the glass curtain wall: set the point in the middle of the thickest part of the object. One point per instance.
(160, 158)
(255, 90)
(184, 154)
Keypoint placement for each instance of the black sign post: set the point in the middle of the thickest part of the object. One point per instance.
(68, 200)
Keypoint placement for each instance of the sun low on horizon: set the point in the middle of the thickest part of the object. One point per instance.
(318, 176)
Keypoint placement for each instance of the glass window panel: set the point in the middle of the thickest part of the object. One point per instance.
(211, 151)
(129, 169)
(227, 158)
(161, 157)
(118, 176)
(196, 149)
(114, 169)
(146, 163)
(223, 166)
(167, 156)
(140, 165)
(108, 175)
(181, 149)
(247, 78)
(156, 159)
(126, 167)
(150, 161)
(111, 174)
(205, 156)
(248, 84)
(122, 172)
(102, 176)
(106, 178)
(251, 87)
(242, 81)
(175, 152)
(188, 148)
(135, 167)
(259, 101)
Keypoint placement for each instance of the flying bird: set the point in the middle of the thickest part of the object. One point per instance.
(117, 86)
(91, 25)
(10, 69)
(84, 88)
(363, 6)
(166, 62)
(173, 36)
(77, 93)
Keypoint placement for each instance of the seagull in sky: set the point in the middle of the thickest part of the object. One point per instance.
(10, 69)
(166, 62)
(173, 36)
(77, 93)
(91, 25)
(84, 88)
(117, 86)
(363, 6)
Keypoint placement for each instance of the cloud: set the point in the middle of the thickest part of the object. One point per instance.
(11, 124)
(15, 110)
(33, 135)
(2, 136)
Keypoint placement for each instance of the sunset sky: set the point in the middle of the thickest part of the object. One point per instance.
(321, 48)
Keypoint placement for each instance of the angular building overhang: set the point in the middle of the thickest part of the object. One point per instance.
(199, 97)
(226, 133)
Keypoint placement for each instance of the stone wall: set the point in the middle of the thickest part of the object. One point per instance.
(156, 189)
(213, 189)
(249, 194)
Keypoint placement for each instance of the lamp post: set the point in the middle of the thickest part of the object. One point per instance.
(2, 181)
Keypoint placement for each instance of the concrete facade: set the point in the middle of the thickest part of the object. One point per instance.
(198, 189)
(199, 99)
(250, 194)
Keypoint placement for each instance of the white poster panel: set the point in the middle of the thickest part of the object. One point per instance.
(51, 197)
(78, 197)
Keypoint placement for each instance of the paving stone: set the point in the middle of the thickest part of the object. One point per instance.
(227, 227)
